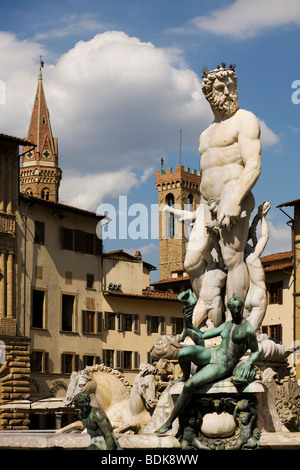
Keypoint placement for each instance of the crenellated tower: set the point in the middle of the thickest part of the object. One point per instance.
(40, 174)
(181, 189)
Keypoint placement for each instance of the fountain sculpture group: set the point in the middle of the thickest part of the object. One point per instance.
(227, 371)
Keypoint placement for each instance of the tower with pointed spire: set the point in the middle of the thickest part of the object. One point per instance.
(40, 174)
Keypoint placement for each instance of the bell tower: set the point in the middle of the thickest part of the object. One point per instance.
(181, 189)
(40, 174)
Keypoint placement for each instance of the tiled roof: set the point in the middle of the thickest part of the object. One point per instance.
(171, 279)
(279, 267)
(124, 254)
(17, 140)
(276, 257)
(147, 294)
(61, 206)
(289, 203)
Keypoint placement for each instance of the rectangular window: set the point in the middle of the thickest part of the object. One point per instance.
(90, 244)
(39, 232)
(39, 361)
(124, 360)
(67, 312)
(153, 324)
(275, 292)
(108, 357)
(136, 323)
(109, 321)
(127, 360)
(67, 238)
(124, 321)
(90, 281)
(90, 360)
(91, 322)
(127, 322)
(80, 241)
(177, 325)
(38, 308)
(275, 332)
(69, 363)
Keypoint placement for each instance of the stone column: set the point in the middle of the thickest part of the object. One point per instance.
(10, 285)
(2, 184)
(8, 185)
(2, 285)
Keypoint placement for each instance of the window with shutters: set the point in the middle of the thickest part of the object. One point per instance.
(109, 321)
(67, 238)
(80, 241)
(127, 322)
(124, 360)
(129, 360)
(108, 357)
(155, 324)
(177, 325)
(273, 331)
(39, 361)
(69, 363)
(90, 360)
(91, 322)
(124, 321)
(136, 323)
(275, 292)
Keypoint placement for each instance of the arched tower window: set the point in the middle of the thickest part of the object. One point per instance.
(190, 201)
(170, 202)
(29, 192)
(45, 194)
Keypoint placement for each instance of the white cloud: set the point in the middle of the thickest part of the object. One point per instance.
(247, 18)
(89, 190)
(279, 238)
(120, 102)
(116, 105)
(18, 70)
(268, 137)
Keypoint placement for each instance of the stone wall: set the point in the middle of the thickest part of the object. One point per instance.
(14, 382)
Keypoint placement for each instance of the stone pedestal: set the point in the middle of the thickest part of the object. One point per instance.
(220, 416)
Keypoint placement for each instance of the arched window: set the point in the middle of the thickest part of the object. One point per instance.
(190, 202)
(29, 192)
(170, 202)
(45, 194)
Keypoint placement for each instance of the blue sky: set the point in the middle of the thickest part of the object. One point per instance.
(123, 77)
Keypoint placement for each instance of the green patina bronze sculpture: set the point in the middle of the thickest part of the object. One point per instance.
(96, 423)
(217, 362)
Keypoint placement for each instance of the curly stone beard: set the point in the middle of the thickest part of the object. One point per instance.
(227, 105)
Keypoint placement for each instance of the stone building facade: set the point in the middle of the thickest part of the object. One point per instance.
(294, 222)
(15, 350)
